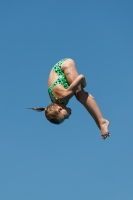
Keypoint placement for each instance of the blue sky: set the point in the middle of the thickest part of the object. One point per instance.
(39, 160)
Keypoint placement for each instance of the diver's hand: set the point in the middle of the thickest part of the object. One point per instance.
(84, 83)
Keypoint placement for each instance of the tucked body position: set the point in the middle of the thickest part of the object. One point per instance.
(64, 82)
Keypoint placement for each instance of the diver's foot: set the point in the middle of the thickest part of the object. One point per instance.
(104, 129)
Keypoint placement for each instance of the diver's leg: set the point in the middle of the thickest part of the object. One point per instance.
(69, 68)
(91, 106)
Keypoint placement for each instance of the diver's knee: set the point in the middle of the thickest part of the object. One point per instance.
(68, 63)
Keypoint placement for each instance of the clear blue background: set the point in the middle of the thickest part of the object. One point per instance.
(39, 160)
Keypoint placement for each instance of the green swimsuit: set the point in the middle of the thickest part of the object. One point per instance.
(61, 80)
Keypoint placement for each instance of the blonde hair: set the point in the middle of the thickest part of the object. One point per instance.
(51, 112)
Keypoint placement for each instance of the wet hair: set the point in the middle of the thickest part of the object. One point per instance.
(51, 112)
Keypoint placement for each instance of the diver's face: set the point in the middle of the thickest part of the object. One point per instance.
(64, 113)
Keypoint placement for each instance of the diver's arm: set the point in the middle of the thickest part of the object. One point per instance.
(80, 80)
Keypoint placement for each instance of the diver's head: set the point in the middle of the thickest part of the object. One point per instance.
(63, 113)
(56, 113)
